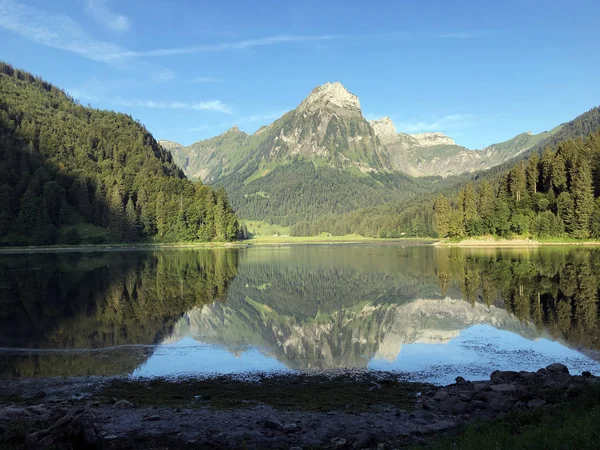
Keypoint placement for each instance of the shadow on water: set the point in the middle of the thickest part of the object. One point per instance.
(306, 308)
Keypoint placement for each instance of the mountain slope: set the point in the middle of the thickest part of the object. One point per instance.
(414, 216)
(321, 158)
(434, 154)
(327, 127)
(66, 166)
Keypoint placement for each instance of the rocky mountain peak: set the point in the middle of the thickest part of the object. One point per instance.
(332, 96)
(233, 129)
(431, 139)
(384, 129)
(169, 145)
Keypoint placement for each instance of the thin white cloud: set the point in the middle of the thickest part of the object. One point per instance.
(452, 121)
(111, 20)
(210, 105)
(204, 80)
(262, 117)
(61, 32)
(224, 46)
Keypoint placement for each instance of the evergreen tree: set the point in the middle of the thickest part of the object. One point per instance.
(583, 198)
(486, 205)
(161, 216)
(132, 224)
(469, 203)
(116, 215)
(533, 173)
(442, 216)
(517, 183)
(566, 210)
(546, 168)
(559, 173)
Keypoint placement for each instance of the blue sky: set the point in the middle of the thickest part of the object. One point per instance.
(479, 71)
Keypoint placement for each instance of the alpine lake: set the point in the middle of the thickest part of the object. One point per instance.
(426, 313)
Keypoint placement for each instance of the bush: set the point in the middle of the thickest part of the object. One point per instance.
(519, 224)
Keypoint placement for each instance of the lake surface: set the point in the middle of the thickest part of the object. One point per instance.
(429, 313)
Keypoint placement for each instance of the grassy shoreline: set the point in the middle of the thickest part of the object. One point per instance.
(265, 241)
(517, 242)
(253, 242)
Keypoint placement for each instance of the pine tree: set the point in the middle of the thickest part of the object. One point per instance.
(546, 168)
(517, 184)
(595, 220)
(486, 205)
(533, 173)
(469, 203)
(442, 213)
(583, 198)
(131, 220)
(566, 210)
(146, 213)
(559, 173)
(161, 216)
(501, 218)
(116, 215)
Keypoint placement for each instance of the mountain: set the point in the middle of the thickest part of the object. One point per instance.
(319, 159)
(69, 173)
(571, 143)
(324, 159)
(327, 128)
(434, 154)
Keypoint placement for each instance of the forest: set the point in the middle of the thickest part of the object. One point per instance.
(66, 168)
(555, 195)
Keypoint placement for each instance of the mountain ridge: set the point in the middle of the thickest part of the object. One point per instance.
(328, 126)
(324, 158)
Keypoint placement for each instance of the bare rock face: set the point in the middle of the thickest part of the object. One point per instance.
(170, 145)
(331, 96)
(431, 139)
(385, 130)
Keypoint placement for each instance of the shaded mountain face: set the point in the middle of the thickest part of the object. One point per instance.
(434, 154)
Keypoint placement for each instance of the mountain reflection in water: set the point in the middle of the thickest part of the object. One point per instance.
(433, 313)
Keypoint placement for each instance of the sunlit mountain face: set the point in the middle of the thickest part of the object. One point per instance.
(425, 312)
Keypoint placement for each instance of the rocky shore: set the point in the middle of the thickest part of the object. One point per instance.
(86, 417)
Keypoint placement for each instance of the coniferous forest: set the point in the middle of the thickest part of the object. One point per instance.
(66, 168)
(552, 195)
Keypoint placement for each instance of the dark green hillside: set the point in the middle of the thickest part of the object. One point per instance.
(301, 191)
(66, 169)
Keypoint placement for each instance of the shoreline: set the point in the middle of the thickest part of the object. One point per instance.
(512, 243)
(268, 242)
(203, 245)
(352, 410)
